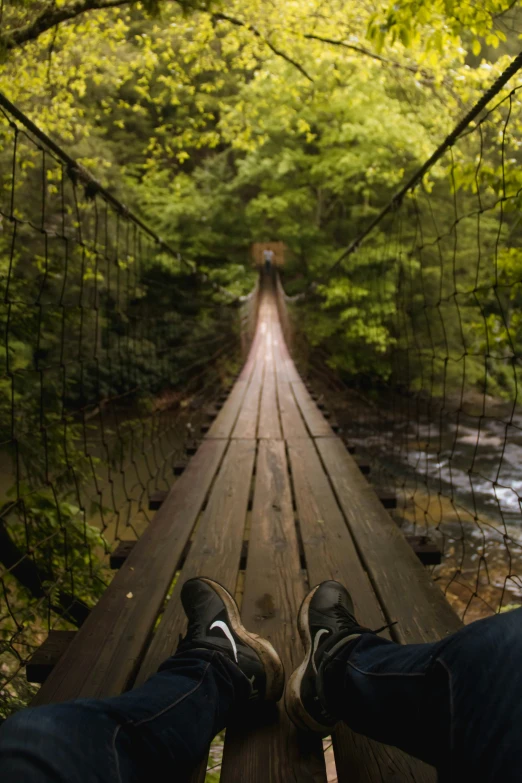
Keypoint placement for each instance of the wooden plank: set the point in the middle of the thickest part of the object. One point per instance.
(405, 590)
(291, 370)
(315, 421)
(246, 424)
(360, 760)
(248, 367)
(277, 348)
(225, 420)
(216, 549)
(291, 421)
(330, 554)
(215, 552)
(224, 423)
(269, 425)
(246, 372)
(104, 654)
(263, 748)
(329, 549)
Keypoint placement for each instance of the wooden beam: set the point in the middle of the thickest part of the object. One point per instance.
(45, 658)
(120, 554)
(191, 446)
(157, 498)
(363, 466)
(387, 497)
(426, 550)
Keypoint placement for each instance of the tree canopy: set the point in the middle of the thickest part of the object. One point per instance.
(225, 124)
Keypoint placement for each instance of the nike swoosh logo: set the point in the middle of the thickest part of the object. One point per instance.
(226, 630)
(254, 692)
(317, 639)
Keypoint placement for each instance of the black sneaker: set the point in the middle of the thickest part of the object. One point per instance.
(214, 623)
(326, 620)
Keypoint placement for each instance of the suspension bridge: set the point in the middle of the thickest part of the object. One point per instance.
(270, 502)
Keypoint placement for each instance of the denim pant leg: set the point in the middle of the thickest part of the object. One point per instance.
(456, 704)
(157, 731)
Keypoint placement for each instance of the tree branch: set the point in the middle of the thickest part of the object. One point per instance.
(218, 17)
(367, 53)
(427, 77)
(50, 17)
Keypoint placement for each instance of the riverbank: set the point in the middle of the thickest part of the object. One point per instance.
(457, 480)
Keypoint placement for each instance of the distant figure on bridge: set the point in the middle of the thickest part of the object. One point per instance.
(268, 256)
(456, 703)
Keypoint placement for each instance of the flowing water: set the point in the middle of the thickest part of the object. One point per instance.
(459, 481)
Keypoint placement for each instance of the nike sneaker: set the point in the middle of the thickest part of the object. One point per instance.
(326, 622)
(214, 623)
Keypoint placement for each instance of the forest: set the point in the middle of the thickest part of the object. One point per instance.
(220, 125)
(293, 122)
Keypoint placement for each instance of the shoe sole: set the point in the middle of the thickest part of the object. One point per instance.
(295, 708)
(272, 664)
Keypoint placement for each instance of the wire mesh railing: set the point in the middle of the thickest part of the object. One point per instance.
(425, 343)
(112, 345)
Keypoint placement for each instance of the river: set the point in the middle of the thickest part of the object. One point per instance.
(459, 480)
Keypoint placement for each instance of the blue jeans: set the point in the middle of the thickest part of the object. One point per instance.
(145, 734)
(456, 704)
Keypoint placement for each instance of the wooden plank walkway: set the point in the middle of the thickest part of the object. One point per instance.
(271, 482)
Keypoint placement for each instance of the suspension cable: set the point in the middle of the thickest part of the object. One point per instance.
(505, 76)
(76, 171)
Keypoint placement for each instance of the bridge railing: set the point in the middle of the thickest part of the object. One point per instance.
(111, 347)
(426, 305)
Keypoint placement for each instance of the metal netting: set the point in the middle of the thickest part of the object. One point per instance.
(425, 347)
(111, 346)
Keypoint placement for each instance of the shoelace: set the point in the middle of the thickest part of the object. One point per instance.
(385, 627)
(347, 621)
(345, 618)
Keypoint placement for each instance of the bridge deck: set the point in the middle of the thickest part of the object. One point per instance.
(271, 504)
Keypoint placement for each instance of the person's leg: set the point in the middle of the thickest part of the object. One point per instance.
(164, 725)
(456, 704)
(168, 721)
